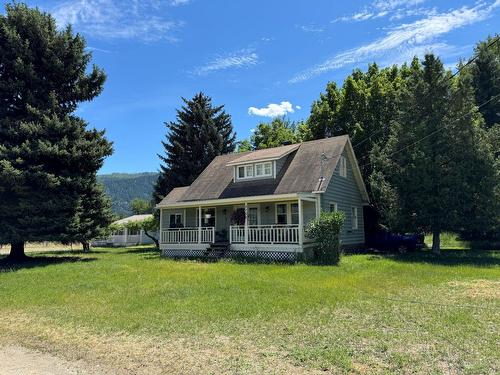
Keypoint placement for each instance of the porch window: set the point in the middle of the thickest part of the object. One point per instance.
(119, 232)
(133, 232)
(281, 214)
(175, 220)
(253, 216)
(207, 217)
(294, 209)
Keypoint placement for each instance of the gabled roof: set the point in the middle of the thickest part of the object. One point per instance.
(267, 154)
(300, 173)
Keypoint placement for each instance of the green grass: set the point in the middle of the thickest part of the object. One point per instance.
(449, 240)
(372, 314)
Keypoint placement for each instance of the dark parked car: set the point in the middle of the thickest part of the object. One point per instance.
(385, 240)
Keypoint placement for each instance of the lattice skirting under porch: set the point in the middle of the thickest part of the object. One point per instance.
(273, 256)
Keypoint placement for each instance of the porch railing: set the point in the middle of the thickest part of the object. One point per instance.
(187, 235)
(266, 234)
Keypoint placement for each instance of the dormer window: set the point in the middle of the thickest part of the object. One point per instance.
(343, 166)
(257, 170)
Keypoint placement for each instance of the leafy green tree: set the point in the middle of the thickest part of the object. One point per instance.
(200, 133)
(486, 79)
(273, 134)
(141, 206)
(149, 225)
(47, 154)
(244, 146)
(428, 173)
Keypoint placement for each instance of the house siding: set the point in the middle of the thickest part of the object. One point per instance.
(345, 192)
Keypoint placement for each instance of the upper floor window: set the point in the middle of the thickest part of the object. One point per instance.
(343, 166)
(354, 218)
(255, 170)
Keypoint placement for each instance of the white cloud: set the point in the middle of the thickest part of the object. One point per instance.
(117, 19)
(311, 29)
(401, 39)
(298, 107)
(176, 3)
(381, 8)
(239, 59)
(272, 110)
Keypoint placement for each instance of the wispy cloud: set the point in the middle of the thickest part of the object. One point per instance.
(405, 38)
(382, 8)
(117, 19)
(272, 110)
(240, 59)
(311, 28)
(176, 3)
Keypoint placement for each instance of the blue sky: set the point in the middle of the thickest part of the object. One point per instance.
(258, 58)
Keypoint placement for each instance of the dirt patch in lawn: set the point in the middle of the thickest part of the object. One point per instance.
(481, 289)
(16, 360)
(125, 353)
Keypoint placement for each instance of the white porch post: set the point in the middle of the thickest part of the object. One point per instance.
(318, 206)
(246, 223)
(199, 224)
(161, 225)
(301, 223)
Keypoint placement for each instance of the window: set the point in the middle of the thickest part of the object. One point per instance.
(294, 209)
(268, 169)
(133, 232)
(254, 170)
(281, 214)
(354, 217)
(241, 172)
(253, 216)
(207, 217)
(175, 221)
(119, 232)
(333, 207)
(248, 171)
(343, 166)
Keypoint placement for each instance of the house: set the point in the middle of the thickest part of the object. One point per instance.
(126, 237)
(259, 202)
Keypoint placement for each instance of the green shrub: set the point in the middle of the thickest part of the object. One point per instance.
(325, 231)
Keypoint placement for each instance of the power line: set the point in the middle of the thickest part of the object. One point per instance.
(470, 61)
(433, 132)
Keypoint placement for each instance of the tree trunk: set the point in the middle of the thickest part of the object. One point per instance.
(157, 243)
(436, 241)
(86, 246)
(17, 251)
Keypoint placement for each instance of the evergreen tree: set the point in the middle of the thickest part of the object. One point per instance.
(47, 156)
(200, 133)
(486, 79)
(93, 216)
(433, 168)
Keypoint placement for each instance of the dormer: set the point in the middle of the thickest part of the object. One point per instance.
(260, 164)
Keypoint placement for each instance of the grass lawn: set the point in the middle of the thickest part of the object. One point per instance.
(134, 311)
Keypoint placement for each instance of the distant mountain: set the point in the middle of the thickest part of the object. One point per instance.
(124, 187)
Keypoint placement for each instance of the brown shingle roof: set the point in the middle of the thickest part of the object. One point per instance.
(300, 174)
(265, 154)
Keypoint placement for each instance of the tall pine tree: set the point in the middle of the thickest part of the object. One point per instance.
(47, 155)
(435, 167)
(200, 133)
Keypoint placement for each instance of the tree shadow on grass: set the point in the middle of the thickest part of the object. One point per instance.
(8, 265)
(448, 257)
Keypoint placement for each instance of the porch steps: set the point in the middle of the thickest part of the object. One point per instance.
(217, 250)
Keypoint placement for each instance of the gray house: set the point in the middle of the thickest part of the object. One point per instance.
(259, 202)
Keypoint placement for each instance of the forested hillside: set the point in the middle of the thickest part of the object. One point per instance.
(124, 187)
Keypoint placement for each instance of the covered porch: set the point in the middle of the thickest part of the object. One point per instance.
(251, 223)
